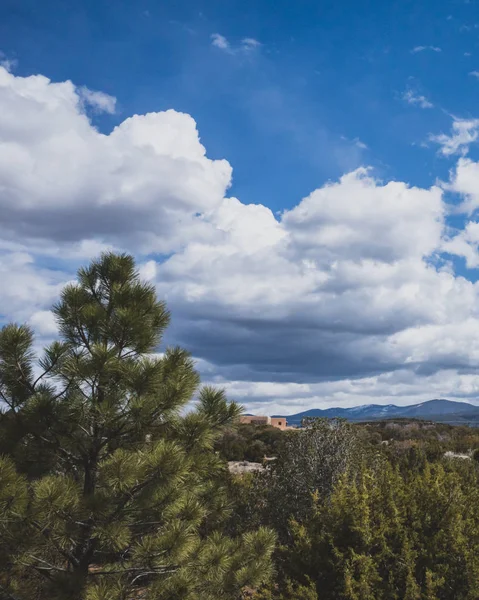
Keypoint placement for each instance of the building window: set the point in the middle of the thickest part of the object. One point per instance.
(279, 423)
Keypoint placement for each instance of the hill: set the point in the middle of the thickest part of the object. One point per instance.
(443, 411)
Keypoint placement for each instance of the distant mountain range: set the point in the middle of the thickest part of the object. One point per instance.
(443, 411)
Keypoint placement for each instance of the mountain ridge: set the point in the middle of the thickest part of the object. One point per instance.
(441, 410)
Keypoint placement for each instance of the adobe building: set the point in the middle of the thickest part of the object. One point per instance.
(278, 422)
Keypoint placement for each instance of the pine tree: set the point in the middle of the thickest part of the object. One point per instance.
(107, 491)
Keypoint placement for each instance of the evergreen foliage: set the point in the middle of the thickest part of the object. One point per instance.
(250, 442)
(107, 491)
(290, 591)
(386, 532)
(384, 535)
(309, 462)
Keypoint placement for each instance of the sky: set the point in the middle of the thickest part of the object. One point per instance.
(300, 180)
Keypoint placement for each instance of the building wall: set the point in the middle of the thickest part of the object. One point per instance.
(280, 422)
(256, 420)
(263, 420)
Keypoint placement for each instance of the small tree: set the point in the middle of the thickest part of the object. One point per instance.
(309, 463)
(106, 491)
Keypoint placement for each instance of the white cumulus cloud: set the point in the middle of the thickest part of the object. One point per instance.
(344, 298)
(411, 98)
(250, 43)
(464, 133)
(63, 181)
(417, 49)
(98, 101)
(245, 46)
(220, 41)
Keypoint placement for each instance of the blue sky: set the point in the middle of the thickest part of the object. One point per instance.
(287, 115)
(294, 96)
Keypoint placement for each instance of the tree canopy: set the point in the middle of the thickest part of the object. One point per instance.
(108, 490)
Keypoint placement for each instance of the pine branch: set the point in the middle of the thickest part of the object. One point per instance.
(129, 497)
(49, 369)
(46, 534)
(156, 572)
(24, 380)
(64, 391)
(8, 595)
(57, 446)
(81, 333)
(48, 565)
(7, 402)
(141, 570)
